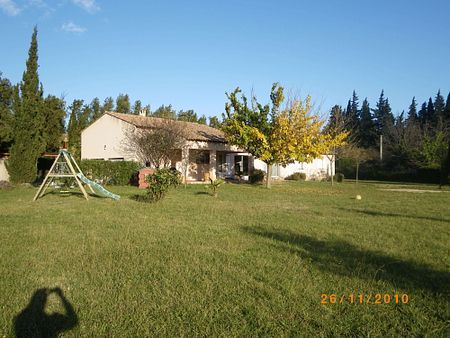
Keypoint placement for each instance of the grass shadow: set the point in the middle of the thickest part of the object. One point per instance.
(343, 258)
(77, 194)
(33, 321)
(377, 213)
(202, 193)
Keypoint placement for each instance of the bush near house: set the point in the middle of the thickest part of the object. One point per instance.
(296, 177)
(111, 172)
(339, 177)
(257, 176)
(159, 184)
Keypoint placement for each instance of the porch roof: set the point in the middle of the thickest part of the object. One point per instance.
(194, 131)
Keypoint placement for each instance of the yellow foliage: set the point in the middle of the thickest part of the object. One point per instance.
(296, 135)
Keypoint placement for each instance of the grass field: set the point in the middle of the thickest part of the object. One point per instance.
(252, 262)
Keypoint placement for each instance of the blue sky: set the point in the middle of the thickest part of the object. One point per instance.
(188, 53)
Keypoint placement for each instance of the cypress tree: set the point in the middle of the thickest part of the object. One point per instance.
(29, 138)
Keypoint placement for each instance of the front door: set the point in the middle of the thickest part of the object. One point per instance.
(241, 165)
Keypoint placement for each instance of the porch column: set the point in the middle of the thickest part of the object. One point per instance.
(185, 163)
(212, 164)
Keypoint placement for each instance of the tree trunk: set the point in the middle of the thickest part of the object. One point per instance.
(269, 175)
(331, 171)
(357, 172)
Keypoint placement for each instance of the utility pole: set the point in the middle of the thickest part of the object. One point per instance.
(381, 147)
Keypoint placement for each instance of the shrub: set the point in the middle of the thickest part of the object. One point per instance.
(339, 177)
(4, 185)
(296, 177)
(110, 172)
(257, 176)
(159, 184)
(214, 185)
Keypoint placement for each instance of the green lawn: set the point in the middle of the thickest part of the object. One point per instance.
(253, 262)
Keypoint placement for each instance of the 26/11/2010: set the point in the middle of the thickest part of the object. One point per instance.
(364, 298)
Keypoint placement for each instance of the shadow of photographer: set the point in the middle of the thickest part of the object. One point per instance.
(33, 321)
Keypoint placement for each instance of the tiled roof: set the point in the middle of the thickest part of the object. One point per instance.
(194, 131)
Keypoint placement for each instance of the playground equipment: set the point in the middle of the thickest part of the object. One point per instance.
(65, 166)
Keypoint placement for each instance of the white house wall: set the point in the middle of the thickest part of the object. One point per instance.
(4, 176)
(319, 167)
(104, 139)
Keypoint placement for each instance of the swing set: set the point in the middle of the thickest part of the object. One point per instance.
(65, 167)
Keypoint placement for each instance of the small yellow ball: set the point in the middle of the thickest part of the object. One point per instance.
(358, 197)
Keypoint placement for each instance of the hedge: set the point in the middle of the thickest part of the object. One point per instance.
(111, 172)
(298, 176)
(373, 170)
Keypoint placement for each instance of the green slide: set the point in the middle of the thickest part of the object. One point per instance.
(98, 187)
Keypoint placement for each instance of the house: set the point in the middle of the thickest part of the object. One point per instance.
(4, 176)
(206, 150)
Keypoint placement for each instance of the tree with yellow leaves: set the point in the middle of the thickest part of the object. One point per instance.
(274, 136)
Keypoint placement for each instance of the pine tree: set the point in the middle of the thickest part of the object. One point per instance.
(412, 111)
(430, 116)
(73, 128)
(6, 114)
(368, 133)
(166, 112)
(108, 105)
(421, 115)
(187, 115)
(54, 125)
(439, 106)
(214, 122)
(123, 104)
(202, 119)
(336, 119)
(447, 112)
(96, 109)
(384, 119)
(85, 118)
(137, 107)
(29, 139)
(353, 118)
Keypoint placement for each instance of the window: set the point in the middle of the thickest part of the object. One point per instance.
(241, 165)
(202, 157)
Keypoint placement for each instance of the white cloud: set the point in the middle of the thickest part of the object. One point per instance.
(9, 7)
(73, 28)
(89, 6)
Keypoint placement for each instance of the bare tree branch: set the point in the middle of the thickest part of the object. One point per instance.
(157, 144)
